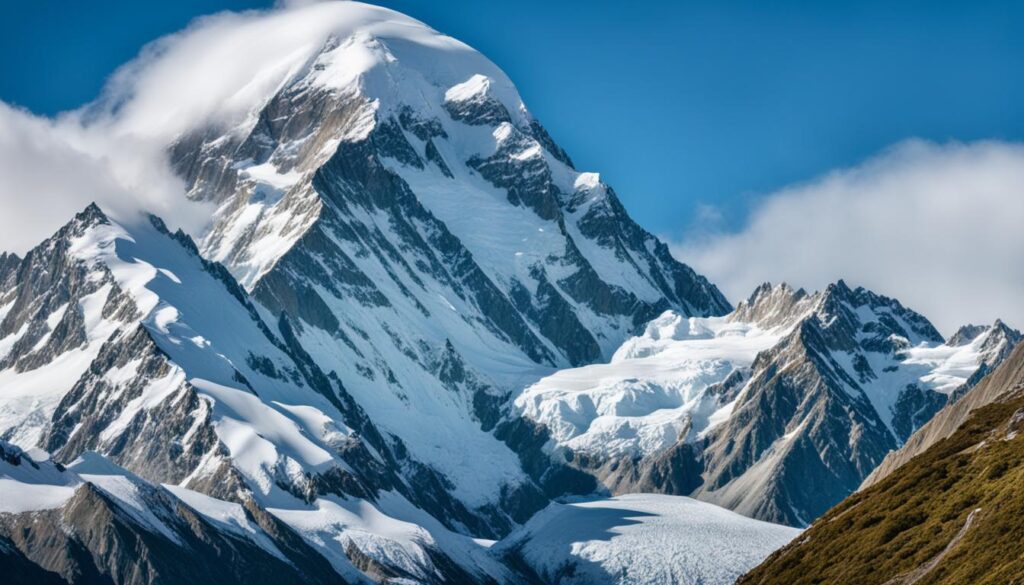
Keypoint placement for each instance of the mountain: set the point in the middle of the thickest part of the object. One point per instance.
(429, 243)
(397, 246)
(777, 410)
(951, 514)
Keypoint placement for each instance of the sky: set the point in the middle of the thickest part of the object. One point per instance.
(703, 116)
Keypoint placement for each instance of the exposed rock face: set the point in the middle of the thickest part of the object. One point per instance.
(96, 401)
(50, 301)
(993, 344)
(945, 509)
(39, 322)
(812, 421)
(774, 306)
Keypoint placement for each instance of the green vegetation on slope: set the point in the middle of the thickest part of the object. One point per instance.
(910, 527)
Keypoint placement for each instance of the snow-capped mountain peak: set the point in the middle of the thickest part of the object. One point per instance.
(415, 209)
(397, 246)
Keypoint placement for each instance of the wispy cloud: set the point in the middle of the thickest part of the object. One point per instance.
(114, 150)
(51, 169)
(941, 227)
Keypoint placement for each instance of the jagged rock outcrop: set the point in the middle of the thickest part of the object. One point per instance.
(816, 416)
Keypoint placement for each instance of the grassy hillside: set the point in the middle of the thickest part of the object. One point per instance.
(913, 528)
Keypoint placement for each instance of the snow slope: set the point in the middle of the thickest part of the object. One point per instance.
(642, 539)
(29, 481)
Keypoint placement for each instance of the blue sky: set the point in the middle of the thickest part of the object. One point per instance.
(677, 104)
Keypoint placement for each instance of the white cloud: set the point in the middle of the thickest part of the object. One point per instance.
(223, 67)
(940, 227)
(50, 171)
(114, 150)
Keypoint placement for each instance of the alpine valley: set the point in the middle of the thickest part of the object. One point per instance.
(414, 344)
